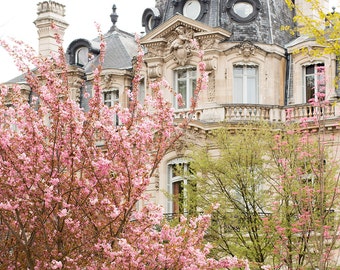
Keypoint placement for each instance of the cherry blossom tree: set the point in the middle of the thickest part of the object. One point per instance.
(70, 180)
(305, 177)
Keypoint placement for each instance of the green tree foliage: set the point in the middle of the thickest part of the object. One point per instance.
(229, 172)
(324, 27)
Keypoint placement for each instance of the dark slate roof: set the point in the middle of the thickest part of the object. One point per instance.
(121, 47)
(298, 40)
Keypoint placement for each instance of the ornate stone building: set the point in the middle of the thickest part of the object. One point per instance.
(253, 72)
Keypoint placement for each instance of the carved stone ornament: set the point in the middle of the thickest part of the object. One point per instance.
(154, 71)
(155, 50)
(211, 87)
(247, 49)
(210, 64)
(207, 43)
(180, 44)
(107, 81)
(75, 84)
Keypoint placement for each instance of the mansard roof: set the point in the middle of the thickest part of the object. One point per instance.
(120, 49)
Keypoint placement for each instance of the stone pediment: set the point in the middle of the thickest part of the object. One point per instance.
(166, 29)
(175, 36)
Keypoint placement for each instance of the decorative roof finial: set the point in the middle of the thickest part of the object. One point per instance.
(114, 18)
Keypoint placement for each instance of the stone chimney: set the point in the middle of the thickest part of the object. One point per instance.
(50, 12)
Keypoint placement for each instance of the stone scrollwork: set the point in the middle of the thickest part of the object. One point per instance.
(207, 43)
(155, 48)
(210, 64)
(154, 71)
(211, 87)
(180, 44)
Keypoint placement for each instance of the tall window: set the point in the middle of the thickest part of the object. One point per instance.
(245, 89)
(111, 97)
(314, 81)
(185, 84)
(180, 188)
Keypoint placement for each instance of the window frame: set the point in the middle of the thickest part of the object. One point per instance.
(243, 97)
(83, 59)
(237, 18)
(181, 181)
(190, 81)
(113, 100)
(316, 75)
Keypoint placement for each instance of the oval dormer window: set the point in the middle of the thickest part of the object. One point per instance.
(243, 9)
(192, 9)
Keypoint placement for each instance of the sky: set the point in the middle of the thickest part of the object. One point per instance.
(17, 16)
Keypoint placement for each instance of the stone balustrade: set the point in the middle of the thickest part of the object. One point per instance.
(259, 112)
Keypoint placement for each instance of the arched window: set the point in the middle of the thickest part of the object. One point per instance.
(180, 187)
(82, 56)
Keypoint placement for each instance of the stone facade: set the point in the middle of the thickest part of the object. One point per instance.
(233, 42)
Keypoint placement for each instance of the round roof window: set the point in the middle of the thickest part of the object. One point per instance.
(243, 10)
(192, 9)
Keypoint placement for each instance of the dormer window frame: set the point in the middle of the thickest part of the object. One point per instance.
(80, 44)
(231, 6)
(81, 60)
(181, 6)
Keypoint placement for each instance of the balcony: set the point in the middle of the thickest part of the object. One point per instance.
(259, 112)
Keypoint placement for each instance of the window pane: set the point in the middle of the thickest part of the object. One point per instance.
(115, 95)
(185, 85)
(177, 170)
(310, 69)
(238, 71)
(251, 71)
(251, 90)
(245, 84)
(111, 97)
(310, 85)
(183, 91)
(181, 74)
(238, 90)
(180, 188)
(193, 87)
(243, 9)
(177, 189)
(314, 80)
(192, 73)
(82, 56)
